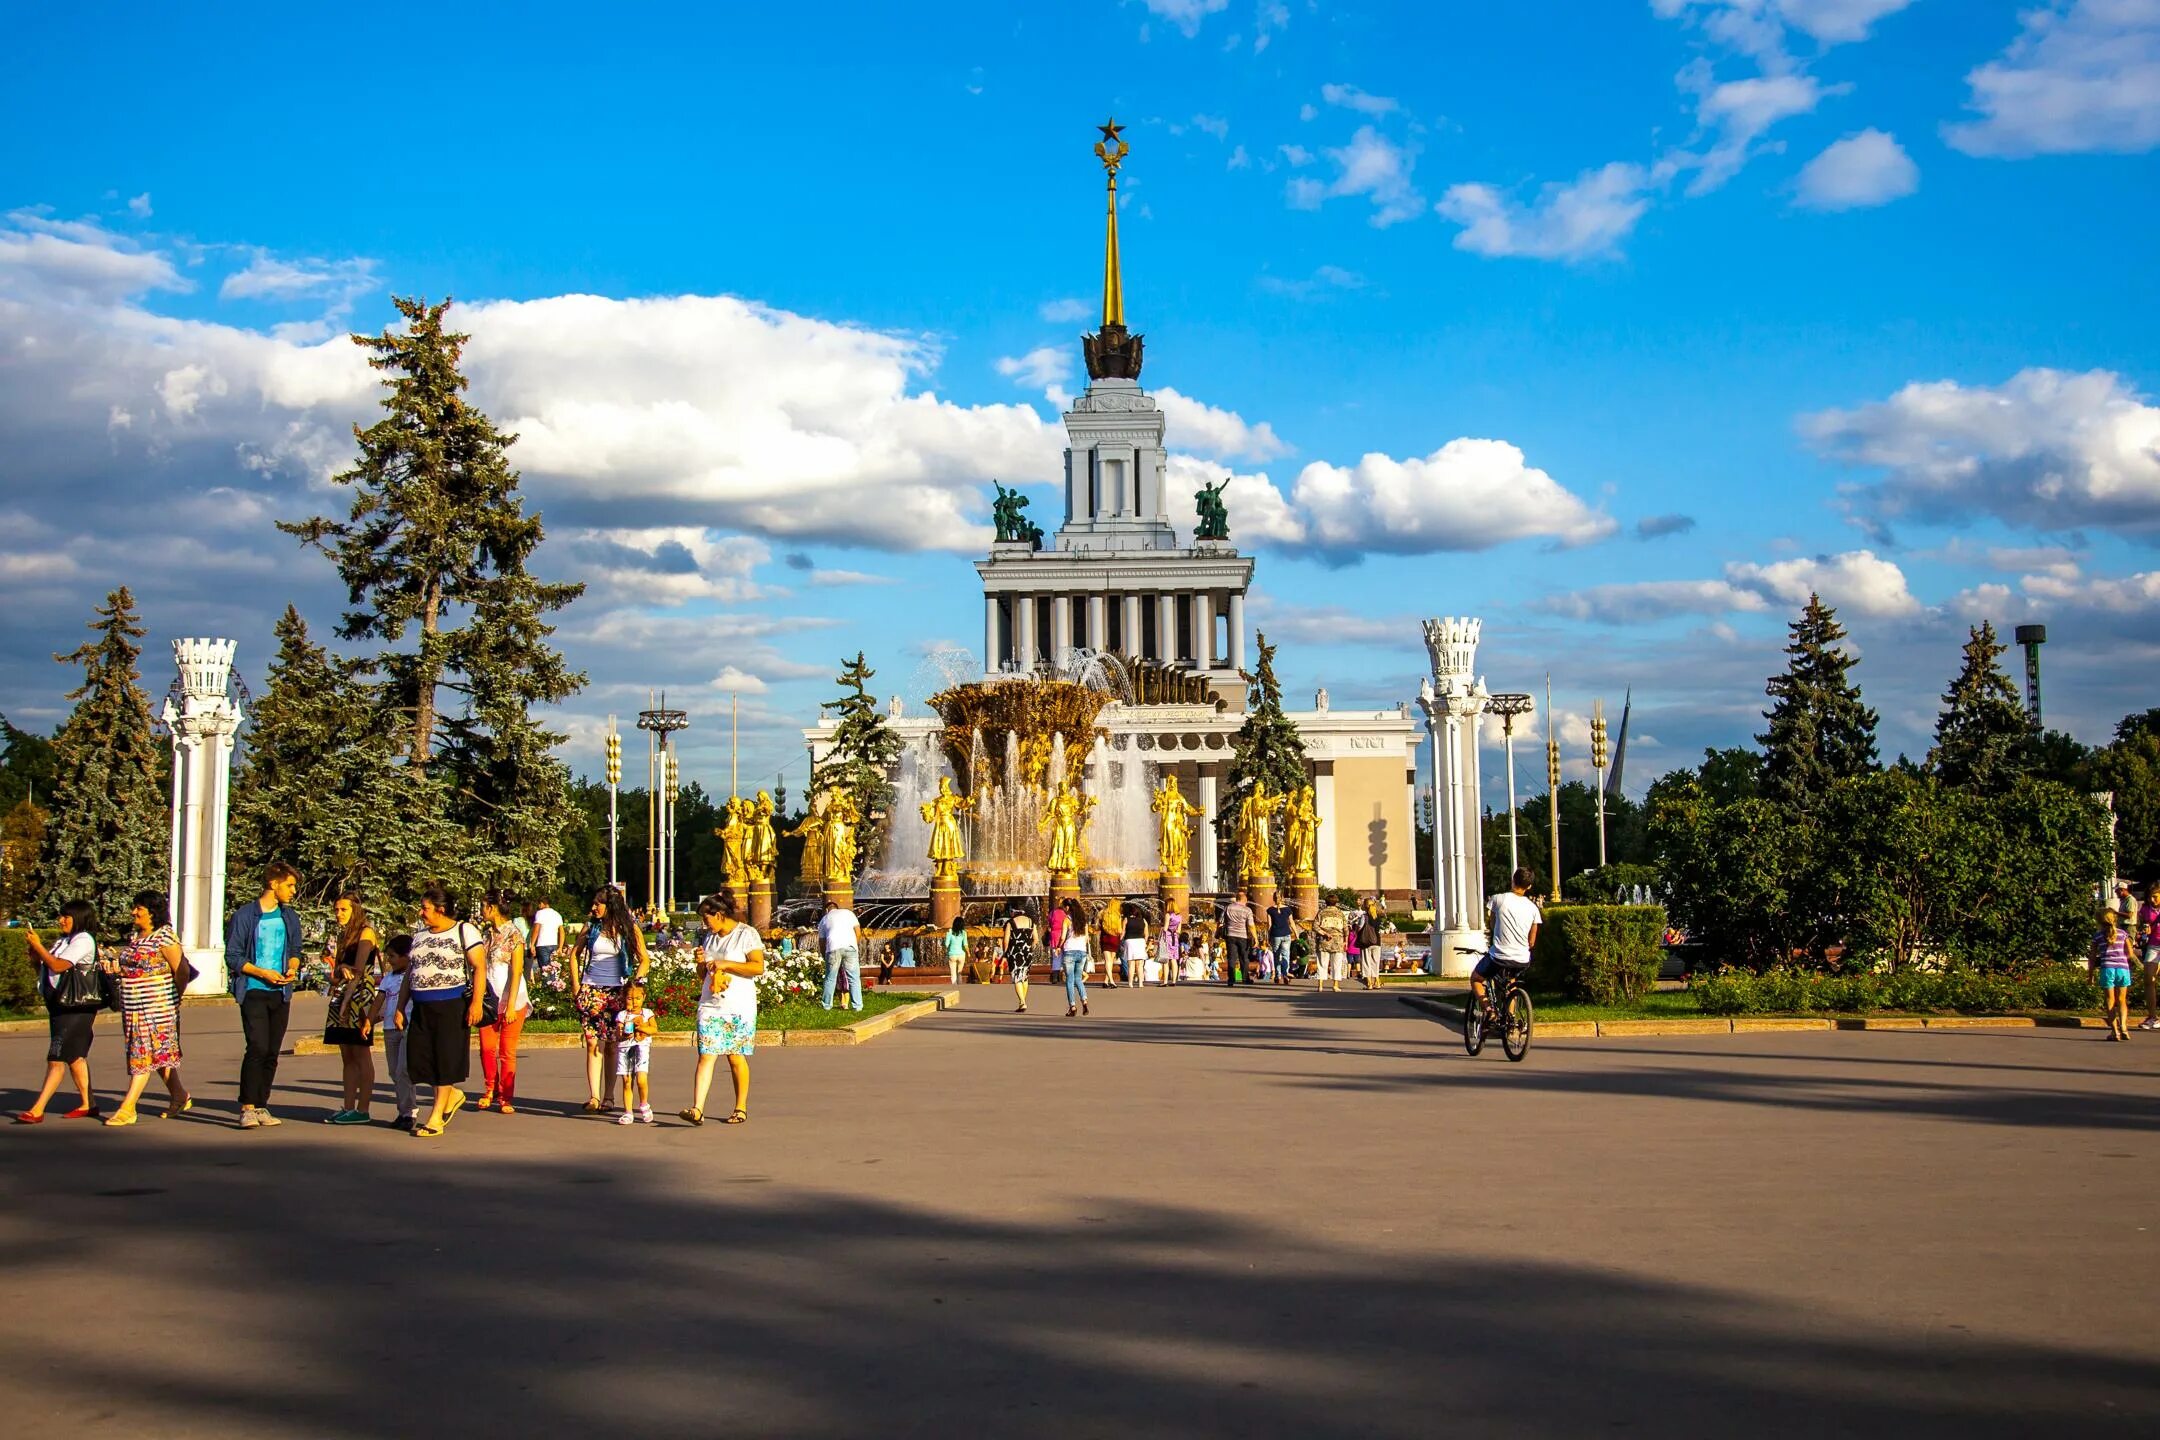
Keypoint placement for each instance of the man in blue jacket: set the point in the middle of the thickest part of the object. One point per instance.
(262, 959)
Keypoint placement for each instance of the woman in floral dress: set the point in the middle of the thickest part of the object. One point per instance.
(732, 958)
(149, 969)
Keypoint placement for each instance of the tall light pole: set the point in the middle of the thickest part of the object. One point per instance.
(1434, 708)
(1507, 707)
(674, 776)
(659, 723)
(1598, 758)
(614, 784)
(1552, 787)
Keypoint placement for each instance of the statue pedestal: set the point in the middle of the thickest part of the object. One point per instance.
(1261, 893)
(1305, 896)
(944, 901)
(840, 893)
(1176, 894)
(760, 905)
(1064, 885)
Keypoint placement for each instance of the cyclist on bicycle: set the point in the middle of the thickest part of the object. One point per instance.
(1513, 921)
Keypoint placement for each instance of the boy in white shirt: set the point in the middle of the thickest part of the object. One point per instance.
(633, 1055)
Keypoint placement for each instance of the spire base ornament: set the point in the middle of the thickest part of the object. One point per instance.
(1113, 353)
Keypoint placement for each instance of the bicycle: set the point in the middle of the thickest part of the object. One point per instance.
(1507, 1008)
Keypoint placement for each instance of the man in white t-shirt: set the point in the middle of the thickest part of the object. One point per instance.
(1512, 919)
(546, 935)
(840, 938)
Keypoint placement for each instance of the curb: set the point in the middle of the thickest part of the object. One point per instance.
(859, 1033)
(1768, 1024)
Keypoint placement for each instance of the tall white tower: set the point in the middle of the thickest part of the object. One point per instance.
(203, 725)
(1453, 700)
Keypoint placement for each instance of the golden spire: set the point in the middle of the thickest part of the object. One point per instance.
(1111, 150)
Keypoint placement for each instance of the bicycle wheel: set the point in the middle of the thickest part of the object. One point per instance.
(1473, 1025)
(1515, 1023)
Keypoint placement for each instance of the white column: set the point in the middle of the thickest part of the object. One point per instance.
(1061, 634)
(990, 634)
(1166, 627)
(202, 724)
(1204, 629)
(1237, 630)
(1323, 787)
(1206, 823)
(1024, 630)
(1129, 622)
(1098, 611)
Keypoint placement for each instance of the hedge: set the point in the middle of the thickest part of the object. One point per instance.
(1599, 954)
(1959, 991)
(18, 972)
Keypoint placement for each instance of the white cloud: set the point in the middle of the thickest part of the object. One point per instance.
(1040, 368)
(1857, 580)
(1214, 125)
(1187, 15)
(666, 564)
(1583, 219)
(1238, 160)
(139, 206)
(1297, 155)
(1350, 97)
(1259, 513)
(1756, 27)
(1467, 495)
(1736, 113)
(269, 278)
(1215, 433)
(1308, 111)
(1269, 18)
(1065, 311)
(1324, 278)
(733, 680)
(77, 259)
(1837, 22)
(2079, 77)
(2046, 450)
(1869, 168)
(1370, 165)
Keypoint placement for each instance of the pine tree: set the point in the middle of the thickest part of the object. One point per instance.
(1820, 731)
(323, 786)
(108, 833)
(863, 754)
(1266, 751)
(437, 534)
(22, 842)
(1983, 738)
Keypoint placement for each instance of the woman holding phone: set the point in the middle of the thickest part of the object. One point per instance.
(72, 1026)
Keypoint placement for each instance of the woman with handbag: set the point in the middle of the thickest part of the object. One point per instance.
(503, 1012)
(612, 950)
(74, 993)
(150, 970)
(350, 1022)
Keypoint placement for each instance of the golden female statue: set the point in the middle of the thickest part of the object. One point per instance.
(842, 822)
(1254, 814)
(1174, 828)
(734, 858)
(1063, 822)
(811, 830)
(1301, 833)
(942, 814)
(764, 845)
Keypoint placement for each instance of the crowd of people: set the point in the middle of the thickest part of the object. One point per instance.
(428, 995)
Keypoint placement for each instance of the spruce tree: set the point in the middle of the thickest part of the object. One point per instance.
(433, 551)
(863, 753)
(109, 828)
(1266, 751)
(22, 842)
(1983, 738)
(323, 786)
(1820, 732)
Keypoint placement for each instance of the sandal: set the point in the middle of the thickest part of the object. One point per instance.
(738, 1118)
(457, 1103)
(592, 1107)
(121, 1117)
(83, 1112)
(506, 1108)
(28, 1117)
(694, 1115)
(178, 1107)
(427, 1132)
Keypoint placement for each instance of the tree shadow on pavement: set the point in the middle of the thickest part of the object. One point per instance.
(379, 1287)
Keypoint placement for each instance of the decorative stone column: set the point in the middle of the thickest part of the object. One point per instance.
(1324, 806)
(990, 634)
(1166, 646)
(1024, 631)
(1129, 622)
(1453, 699)
(1098, 621)
(1203, 616)
(1237, 630)
(203, 724)
(1209, 882)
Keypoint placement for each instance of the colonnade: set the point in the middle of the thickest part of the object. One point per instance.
(1172, 626)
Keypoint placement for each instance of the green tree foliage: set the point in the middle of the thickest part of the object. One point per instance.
(108, 832)
(1738, 877)
(1624, 837)
(863, 754)
(1820, 732)
(434, 549)
(1266, 751)
(2131, 768)
(322, 786)
(22, 843)
(1983, 737)
(26, 767)
(2053, 755)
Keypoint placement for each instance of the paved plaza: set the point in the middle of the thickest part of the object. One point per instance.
(1200, 1211)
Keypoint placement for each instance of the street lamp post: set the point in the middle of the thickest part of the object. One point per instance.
(1598, 758)
(1507, 707)
(1552, 787)
(659, 723)
(614, 784)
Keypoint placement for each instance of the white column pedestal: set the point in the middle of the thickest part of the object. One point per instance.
(1324, 805)
(1129, 622)
(1204, 630)
(1237, 630)
(1166, 646)
(1024, 631)
(1098, 622)
(1205, 823)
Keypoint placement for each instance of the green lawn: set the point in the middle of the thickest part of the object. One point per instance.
(1658, 1005)
(794, 1015)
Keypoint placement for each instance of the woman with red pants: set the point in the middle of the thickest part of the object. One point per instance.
(502, 1016)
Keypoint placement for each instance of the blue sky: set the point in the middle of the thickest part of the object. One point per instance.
(1853, 294)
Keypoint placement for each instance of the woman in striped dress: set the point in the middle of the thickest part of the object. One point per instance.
(149, 970)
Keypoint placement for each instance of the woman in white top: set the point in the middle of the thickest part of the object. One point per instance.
(730, 960)
(73, 1026)
(502, 1015)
